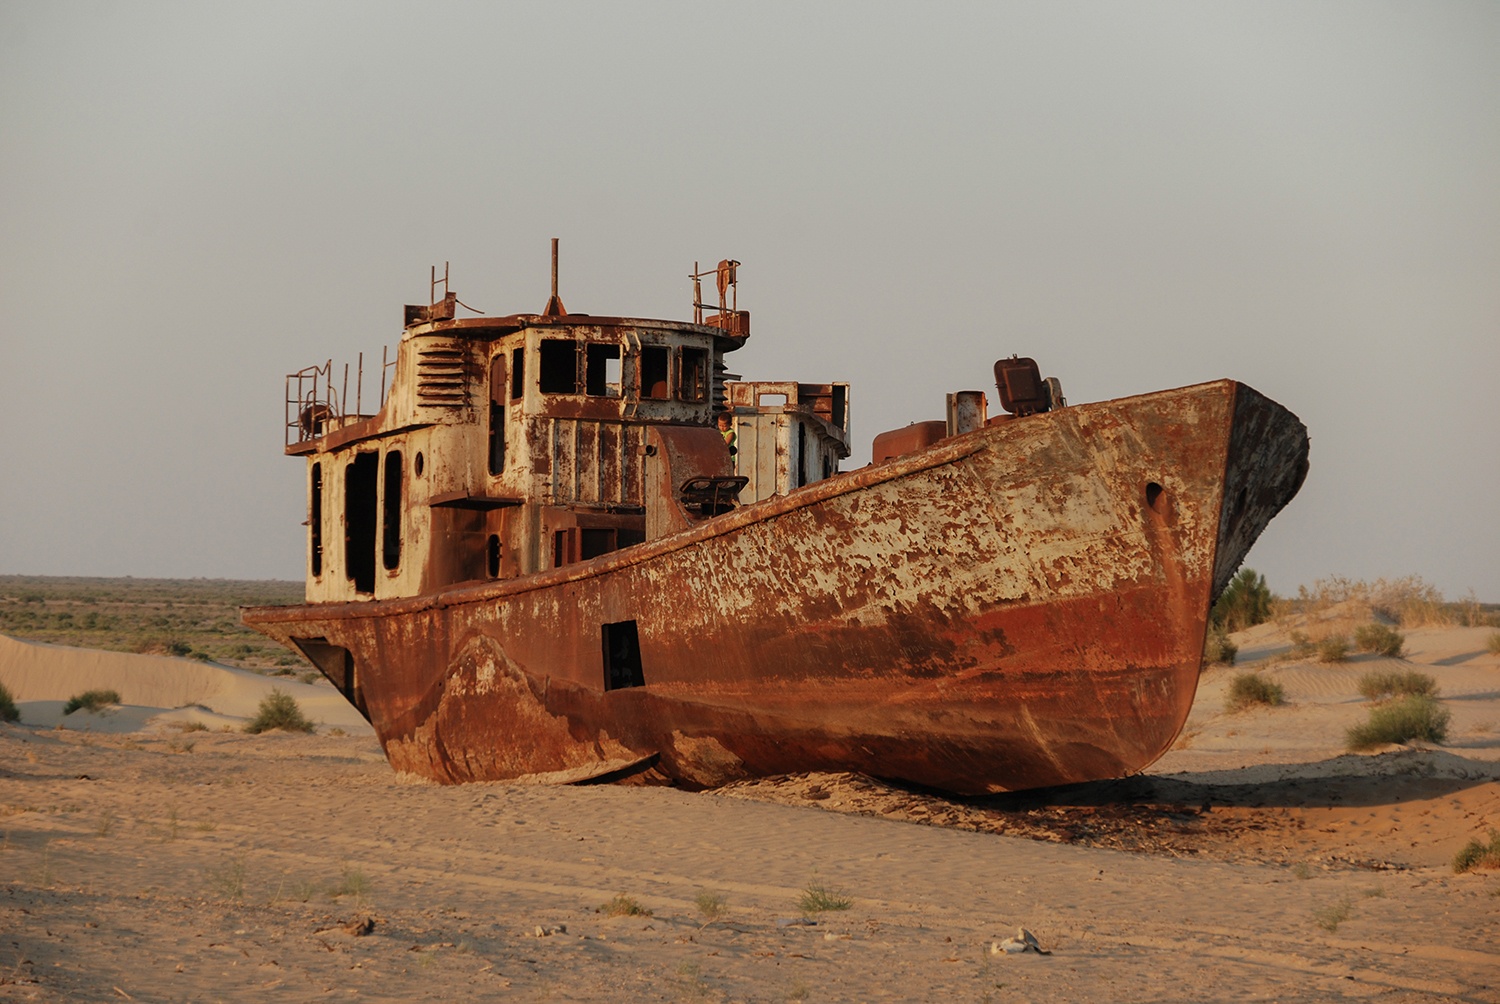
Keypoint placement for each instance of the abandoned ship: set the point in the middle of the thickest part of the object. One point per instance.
(546, 552)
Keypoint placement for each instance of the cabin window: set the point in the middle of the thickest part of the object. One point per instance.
(693, 375)
(390, 517)
(653, 371)
(497, 414)
(361, 511)
(315, 520)
(840, 404)
(417, 465)
(517, 373)
(622, 656)
(492, 556)
(801, 454)
(602, 372)
(594, 541)
(564, 547)
(559, 366)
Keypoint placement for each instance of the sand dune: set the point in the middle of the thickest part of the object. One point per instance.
(152, 688)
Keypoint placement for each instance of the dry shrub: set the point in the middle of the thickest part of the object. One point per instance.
(8, 710)
(91, 701)
(1218, 648)
(1408, 601)
(1400, 721)
(1494, 643)
(1334, 648)
(1382, 686)
(1250, 689)
(1380, 639)
(623, 906)
(1478, 854)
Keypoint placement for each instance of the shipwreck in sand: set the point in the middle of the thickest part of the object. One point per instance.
(543, 553)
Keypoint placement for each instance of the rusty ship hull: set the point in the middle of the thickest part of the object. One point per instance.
(1018, 606)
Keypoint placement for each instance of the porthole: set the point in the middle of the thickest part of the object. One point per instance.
(417, 465)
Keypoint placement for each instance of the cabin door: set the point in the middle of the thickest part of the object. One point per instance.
(360, 516)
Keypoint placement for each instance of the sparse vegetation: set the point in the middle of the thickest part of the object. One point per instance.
(1302, 646)
(1331, 915)
(711, 906)
(1478, 854)
(1408, 601)
(1383, 686)
(351, 883)
(1380, 639)
(1217, 648)
(279, 710)
(819, 898)
(621, 905)
(1418, 716)
(229, 881)
(8, 710)
(1246, 602)
(1334, 648)
(1250, 689)
(92, 701)
(1494, 643)
(186, 617)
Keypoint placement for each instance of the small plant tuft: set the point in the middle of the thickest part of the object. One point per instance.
(1250, 689)
(1331, 915)
(1383, 686)
(278, 710)
(1380, 639)
(8, 710)
(92, 701)
(818, 898)
(1334, 648)
(351, 883)
(1418, 716)
(1494, 643)
(1478, 854)
(711, 906)
(622, 905)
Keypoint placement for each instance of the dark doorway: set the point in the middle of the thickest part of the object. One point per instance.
(622, 656)
(360, 517)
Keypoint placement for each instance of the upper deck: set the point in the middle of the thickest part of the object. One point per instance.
(509, 445)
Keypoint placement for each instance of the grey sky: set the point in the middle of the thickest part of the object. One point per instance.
(196, 199)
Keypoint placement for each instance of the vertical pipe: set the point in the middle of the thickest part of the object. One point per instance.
(554, 268)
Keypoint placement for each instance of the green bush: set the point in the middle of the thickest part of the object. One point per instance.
(8, 710)
(1380, 686)
(1218, 648)
(278, 710)
(1246, 602)
(1334, 648)
(1380, 639)
(92, 701)
(1250, 689)
(1478, 854)
(1416, 717)
(817, 898)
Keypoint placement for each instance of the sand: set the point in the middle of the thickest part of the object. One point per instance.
(1256, 861)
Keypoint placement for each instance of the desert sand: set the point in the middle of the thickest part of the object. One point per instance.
(144, 857)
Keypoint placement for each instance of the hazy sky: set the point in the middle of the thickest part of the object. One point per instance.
(196, 199)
